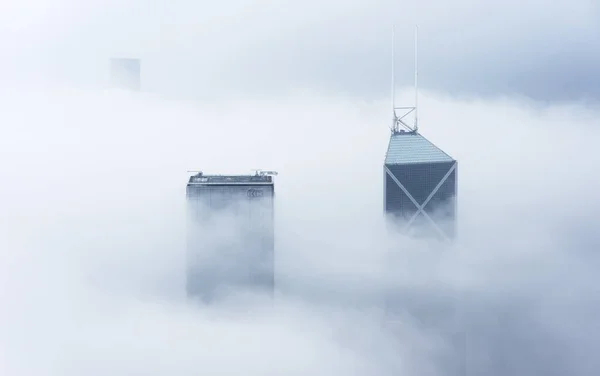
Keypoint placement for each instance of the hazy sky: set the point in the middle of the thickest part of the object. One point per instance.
(93, 191)
(545, 50)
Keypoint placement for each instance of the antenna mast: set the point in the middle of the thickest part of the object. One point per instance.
(394, 117)
(416, 79)
(407, 110)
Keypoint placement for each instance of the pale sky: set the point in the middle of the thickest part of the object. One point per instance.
(545, 50)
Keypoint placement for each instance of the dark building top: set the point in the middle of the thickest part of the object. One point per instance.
(257, 179)
(411, 148)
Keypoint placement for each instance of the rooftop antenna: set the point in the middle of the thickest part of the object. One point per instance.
(260, 172)
(394, 117)
(397, 121)
(416, 78)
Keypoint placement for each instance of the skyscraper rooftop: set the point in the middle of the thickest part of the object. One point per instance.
(200, 178)
(411, 147)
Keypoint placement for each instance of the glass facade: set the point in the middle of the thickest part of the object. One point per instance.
(419, 181)
(230, 238)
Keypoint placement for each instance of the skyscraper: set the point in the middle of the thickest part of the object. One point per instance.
(420, 185)
(420, 180)
(419, 193)
(230, 234)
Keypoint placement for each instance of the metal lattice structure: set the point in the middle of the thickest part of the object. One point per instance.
(230, 234)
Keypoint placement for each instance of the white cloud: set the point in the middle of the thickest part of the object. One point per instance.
(93, 235)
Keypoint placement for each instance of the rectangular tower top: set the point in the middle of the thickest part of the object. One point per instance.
(201, 179)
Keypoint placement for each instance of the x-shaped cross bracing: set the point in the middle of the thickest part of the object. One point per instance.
(399, 120)
(421, 207)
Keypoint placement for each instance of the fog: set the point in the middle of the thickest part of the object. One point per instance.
(94, 237)
(93, 231)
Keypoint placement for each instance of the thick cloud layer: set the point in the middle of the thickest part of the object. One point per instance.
(93, 237)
